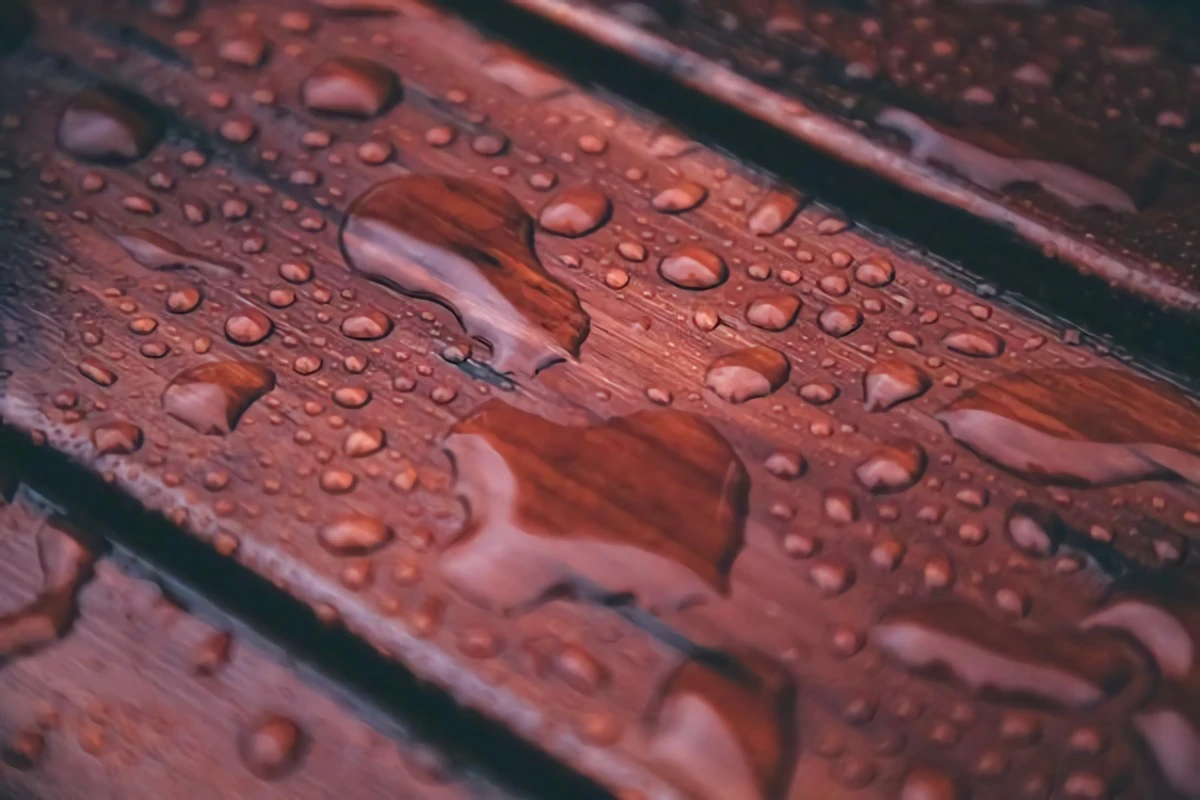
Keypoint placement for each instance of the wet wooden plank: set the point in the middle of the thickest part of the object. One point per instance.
(140, 697)
(1072, 126)
(694, 395)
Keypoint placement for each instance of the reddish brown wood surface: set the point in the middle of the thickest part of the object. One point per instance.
(343, 480)
(1072, 124)
(139, 698)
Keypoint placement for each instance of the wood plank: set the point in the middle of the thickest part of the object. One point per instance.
(141, 698)
(840, 516)
(1102, 93)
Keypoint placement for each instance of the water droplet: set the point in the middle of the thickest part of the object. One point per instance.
(23, 750)
(271, 747)
(108, 124)
(1087, 427)
(363, 442)
(726, 734)
(96, 371)
(247, 48)
(787, 466)
(337, 481)
(890, 382)
(184, 300)
(748, 373)
(840, 320)
(579, 669)
(974, 342)
(819, 393)
(773, 313)
(212, 653)
(651, 504)
(1033, 530)
(248, 326)
(525, 77)
(467, 245)
(682, 197)
(1173, 738)
(155, 251)
(355, 535)
(211, 398)
(351, 396)
(66, 565)
(116, 438)
(926, 783)
(1062, 668)
(773, 214)
(350, 86)
(296, 271)
(576, 211)
(875, 272)
(694, 267)
(892, 468)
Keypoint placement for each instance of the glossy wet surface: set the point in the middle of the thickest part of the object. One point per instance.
(698, 487)
(1079, 117)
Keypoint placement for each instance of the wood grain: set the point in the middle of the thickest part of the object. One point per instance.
(823, 558)
(134, 701)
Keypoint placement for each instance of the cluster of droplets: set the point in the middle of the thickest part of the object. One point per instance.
(258, 357)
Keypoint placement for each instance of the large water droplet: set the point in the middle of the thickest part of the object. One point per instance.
(576, 211)
(351, 86)
(211, 398)
(748, 373)
(726, 731)
(1087, 427)
(683, 196)
(952, 637)
(116, 438)
(355, 535)
(152, 249)
(893, 467)
(66, 564)
(694, 267)
(469, 246)
(525, 77)
(773, 214)
(650, 505)
(974, 342)
(889, 383)
(108, 124)
(773, 313)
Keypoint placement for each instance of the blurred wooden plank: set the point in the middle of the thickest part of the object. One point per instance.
(1115, 107)
(142, 699)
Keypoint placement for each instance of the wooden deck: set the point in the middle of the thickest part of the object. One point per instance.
(608, 462)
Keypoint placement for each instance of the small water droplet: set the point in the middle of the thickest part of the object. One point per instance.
(682, 197)
(271, 747)
(355, 535)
